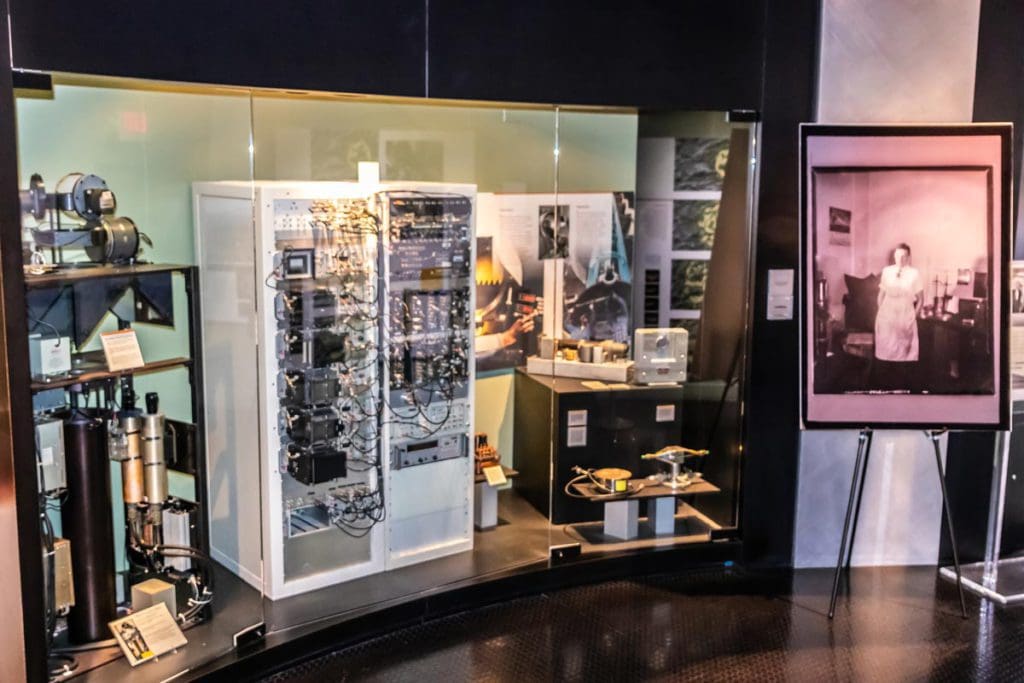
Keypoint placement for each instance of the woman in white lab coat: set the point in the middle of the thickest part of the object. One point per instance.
(900, 296)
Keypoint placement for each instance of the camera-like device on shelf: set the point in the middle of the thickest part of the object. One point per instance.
(659, 355)
(79, 214)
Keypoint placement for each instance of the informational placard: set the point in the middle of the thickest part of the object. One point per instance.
(665, 413)
(1017, 348)
(147, 634)
(905, 282)
(780, 294)
(576, 418)
(122, 351)
(495, 475)
(575, 437)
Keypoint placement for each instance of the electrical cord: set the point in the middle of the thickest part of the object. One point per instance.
(37, 321)
(347, 519)
(609, 495)
(57, 672)
(87, 647)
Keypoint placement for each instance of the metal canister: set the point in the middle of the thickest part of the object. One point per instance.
(87, 518)
(613, 350)
(613, 479)
(133, 487)
(154, 466)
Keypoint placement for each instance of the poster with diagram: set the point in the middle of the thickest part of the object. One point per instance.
(578, 287)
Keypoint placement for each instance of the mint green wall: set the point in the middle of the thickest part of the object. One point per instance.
(597, 152)
(499, 150)
(149, 146)
(187, 137)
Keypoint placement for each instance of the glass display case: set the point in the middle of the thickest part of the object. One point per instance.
(401, 346)
(641, 372)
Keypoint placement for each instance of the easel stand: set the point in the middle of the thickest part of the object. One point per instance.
(860, 469)
(1001, 581)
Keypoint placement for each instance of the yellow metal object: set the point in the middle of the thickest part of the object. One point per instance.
(614, 479)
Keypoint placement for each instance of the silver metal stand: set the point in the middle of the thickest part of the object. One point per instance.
(1001, 581)
(852, 513)
(935, 435)
(860, 469)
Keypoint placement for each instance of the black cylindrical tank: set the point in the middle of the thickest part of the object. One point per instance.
(87, 521)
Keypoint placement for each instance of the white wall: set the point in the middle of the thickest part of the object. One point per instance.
(884, 61)
(844, 191)
(937, 213)
(897, 60)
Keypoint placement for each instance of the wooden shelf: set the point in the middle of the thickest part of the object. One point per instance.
(649, 490)
(97, 375)
(62, 276)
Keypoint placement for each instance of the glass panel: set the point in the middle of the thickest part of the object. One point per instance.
(591, 300)
(423, 265)
(106, 170)
(703, 220)
(399, 300)
(647, 447)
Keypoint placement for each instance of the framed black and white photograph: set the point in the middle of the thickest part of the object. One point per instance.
(839, 226)
(689, 277)
(693, 224)
(905, 275)
(700, 164)
(553, 231)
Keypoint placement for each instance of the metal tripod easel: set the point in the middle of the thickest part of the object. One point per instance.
(860, 469)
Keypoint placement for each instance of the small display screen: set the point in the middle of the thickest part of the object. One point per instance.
(298, 264)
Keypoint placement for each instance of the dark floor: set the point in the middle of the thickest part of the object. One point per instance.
(897, 624)
(522, 537)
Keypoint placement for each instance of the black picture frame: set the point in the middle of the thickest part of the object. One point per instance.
(826, 148)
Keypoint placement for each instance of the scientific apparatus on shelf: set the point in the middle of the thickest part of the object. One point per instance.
(160, 533)
(79, 213)
(85, 414)
(678, 476)
(659, 355)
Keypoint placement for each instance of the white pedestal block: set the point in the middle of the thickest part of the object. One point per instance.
(661, 514)
(485, 506)
(622, 519)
